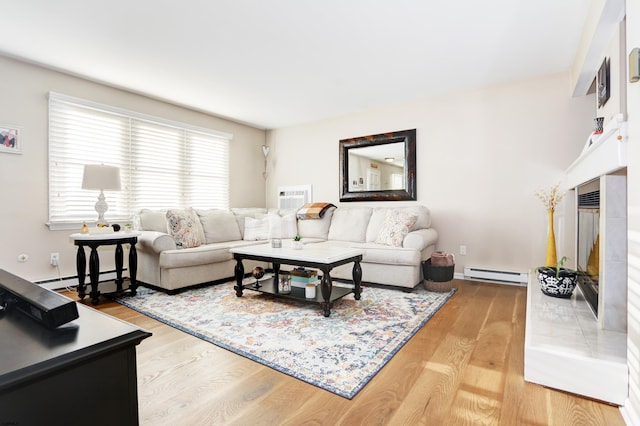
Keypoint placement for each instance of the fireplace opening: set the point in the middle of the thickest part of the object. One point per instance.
(589, 242)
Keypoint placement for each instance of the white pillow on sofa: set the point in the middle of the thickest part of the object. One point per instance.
(282, 226)
(256, 229)
(151, 220)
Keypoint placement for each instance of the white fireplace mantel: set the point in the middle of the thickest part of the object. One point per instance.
(602, 154)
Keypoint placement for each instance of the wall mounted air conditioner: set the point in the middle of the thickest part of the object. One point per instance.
(493, 275)
(294, 196)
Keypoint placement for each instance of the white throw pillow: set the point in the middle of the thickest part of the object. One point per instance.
(395, 227)
(256, 229)
(185, 228)
(282, 226)
(151, 220)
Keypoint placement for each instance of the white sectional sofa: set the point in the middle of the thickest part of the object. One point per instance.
(181, 248)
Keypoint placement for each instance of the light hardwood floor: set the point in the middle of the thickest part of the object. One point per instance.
(465, 366)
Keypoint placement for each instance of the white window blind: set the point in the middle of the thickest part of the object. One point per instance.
(162, 164)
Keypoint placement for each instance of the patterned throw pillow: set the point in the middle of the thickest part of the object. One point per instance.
(395, 227)
(185, 228)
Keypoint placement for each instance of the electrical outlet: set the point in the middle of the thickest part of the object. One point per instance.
(55, 259)
(463, 250)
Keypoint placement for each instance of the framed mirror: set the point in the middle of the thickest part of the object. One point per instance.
(379, 167)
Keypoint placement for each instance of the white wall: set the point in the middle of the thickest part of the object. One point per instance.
(480, 157)
(24, 188)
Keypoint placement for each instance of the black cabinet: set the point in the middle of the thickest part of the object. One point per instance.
(83, 372)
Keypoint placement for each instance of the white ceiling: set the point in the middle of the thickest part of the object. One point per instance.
(278, 63)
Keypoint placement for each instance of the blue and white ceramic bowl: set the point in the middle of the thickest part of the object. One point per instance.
(562, 286)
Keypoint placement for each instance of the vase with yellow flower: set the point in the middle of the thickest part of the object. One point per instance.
(551, 199)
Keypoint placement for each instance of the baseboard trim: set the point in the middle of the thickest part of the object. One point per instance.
(72, 281)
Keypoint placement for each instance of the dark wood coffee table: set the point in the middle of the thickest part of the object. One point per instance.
(311, 255)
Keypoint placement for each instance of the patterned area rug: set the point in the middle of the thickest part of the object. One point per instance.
(340, 353)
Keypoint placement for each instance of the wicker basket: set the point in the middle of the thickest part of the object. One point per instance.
(437, 278)
(443, 286)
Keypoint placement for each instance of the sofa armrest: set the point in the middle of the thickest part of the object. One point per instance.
(420, 239)
(152, 241)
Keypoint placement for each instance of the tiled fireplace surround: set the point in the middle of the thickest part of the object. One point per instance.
(566, 346)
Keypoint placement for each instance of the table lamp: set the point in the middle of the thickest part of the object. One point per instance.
(101, 177)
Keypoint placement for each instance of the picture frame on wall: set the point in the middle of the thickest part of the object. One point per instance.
(10, 139)
(603, 83)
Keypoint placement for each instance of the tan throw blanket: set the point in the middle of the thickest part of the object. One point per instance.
(313, 210)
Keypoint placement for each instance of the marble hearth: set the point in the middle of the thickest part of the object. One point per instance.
(566, 349)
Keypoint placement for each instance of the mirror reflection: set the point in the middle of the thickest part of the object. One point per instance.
(377, 168)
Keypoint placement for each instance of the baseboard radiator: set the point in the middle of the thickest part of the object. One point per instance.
(492, 275)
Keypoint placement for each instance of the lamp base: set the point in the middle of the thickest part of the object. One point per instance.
(101, 207)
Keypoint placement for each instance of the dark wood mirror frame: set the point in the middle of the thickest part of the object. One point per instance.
(408, 137)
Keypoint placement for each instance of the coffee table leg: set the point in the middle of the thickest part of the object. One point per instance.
(357, 279)
(239, 276)
(326, 287)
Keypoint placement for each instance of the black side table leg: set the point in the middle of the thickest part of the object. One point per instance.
(81, 269)
(119, 263)
(133, 269)
(94, 274)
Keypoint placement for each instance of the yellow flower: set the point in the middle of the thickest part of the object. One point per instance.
(552, 198)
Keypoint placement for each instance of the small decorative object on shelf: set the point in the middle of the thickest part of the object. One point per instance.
(557, 281)
(84, 229)
(257, 273)
(284, 284)
(599, 125)
(310, 291)
(276, 243)
(128, 227)
(297, 244)
(116, 227)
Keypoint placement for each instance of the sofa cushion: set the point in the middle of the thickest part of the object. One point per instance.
(152, 220)
(282, 226)
(202, 255)
(219, 226)
(395, 227)
(350, 224)
(256, 229)
(316, 228)
(185, 228)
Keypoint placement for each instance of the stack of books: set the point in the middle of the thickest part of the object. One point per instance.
(300, 277)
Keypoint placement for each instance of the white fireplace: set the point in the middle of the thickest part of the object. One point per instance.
(601, 170)
(566, 346)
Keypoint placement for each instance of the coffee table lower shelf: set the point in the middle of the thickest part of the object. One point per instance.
(268, 286)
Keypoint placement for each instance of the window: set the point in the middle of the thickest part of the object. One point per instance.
(162, 164)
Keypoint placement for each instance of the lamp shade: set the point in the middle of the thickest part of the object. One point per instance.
(101, 177)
